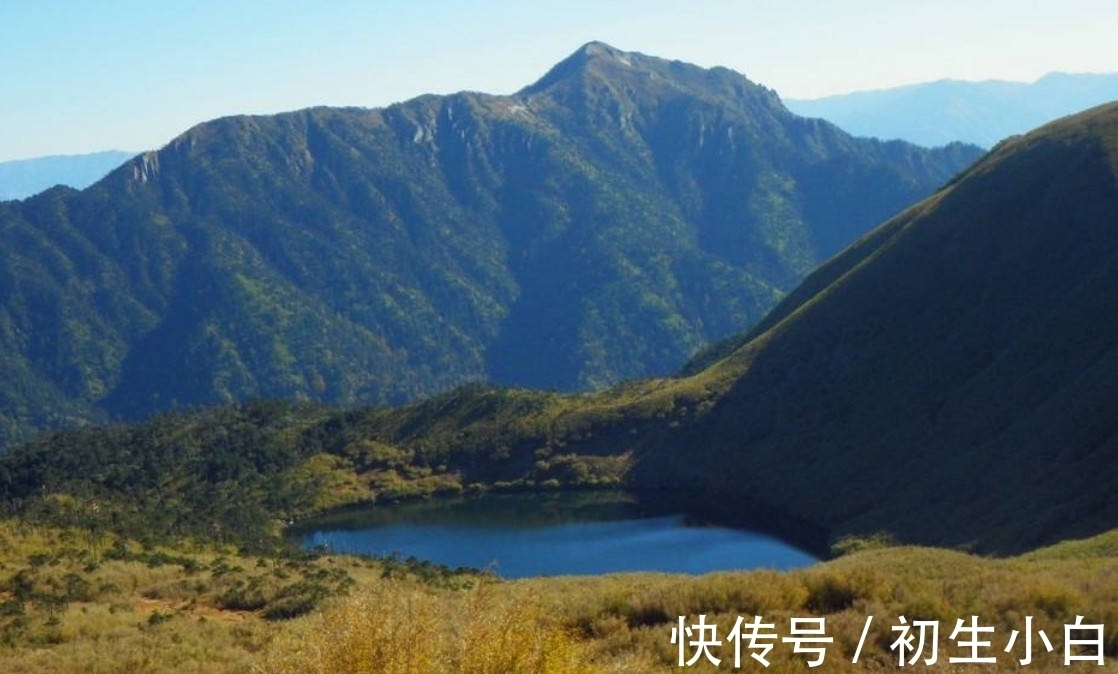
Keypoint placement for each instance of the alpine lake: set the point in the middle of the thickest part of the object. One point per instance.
(517, 535)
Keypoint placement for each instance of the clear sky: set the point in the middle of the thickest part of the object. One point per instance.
(80, 76)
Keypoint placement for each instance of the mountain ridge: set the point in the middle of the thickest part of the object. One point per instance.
(943, 111)
(592, 230)
(22, 178)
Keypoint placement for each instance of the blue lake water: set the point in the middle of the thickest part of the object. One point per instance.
(520, 535)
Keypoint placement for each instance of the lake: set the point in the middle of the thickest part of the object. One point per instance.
(563, 533)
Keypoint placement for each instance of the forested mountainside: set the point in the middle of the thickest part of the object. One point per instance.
(602, 224)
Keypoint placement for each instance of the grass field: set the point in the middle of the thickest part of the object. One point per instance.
(71, 604)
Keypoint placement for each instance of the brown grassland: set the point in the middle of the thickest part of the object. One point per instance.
(69, 603)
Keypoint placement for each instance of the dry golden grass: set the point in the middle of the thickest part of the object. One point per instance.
(140, 618)
(66, 606)
(622, 623)
(398, 628)
(112, 639)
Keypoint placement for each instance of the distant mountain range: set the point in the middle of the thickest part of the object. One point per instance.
(983, 113)
(24, 177)
(602, 224)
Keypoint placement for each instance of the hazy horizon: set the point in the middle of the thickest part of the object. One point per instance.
(82, 78)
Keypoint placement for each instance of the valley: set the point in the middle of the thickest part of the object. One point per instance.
(633, 274)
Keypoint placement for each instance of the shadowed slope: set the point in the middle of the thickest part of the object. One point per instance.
(953, 377)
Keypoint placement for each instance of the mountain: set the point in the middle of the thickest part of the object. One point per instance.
(951, 378)
(603, 223)
(983, 113)
(24, 177)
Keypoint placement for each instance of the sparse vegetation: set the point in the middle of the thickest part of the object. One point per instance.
(120, 608)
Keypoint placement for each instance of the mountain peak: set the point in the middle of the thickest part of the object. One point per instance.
(601, 62)
(596, 48)
(600, 51)
(583, 59)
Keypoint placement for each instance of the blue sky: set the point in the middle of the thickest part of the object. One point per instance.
(81, 76)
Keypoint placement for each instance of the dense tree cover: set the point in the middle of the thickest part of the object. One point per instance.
(223, 474)
(238, 474)
(602, 224)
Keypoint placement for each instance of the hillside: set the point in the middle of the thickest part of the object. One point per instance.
(22, 178)
(601, 224)
(946, 111)
(950, 377)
